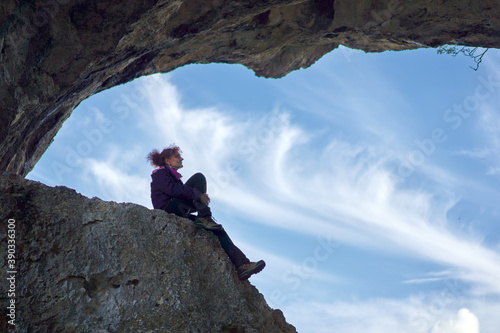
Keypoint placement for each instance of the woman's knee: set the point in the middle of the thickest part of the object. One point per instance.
(198, 181)
(199, 177)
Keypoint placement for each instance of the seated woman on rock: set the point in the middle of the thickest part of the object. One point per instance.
(169, 193)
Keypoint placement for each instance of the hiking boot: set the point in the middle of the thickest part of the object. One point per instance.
(207, 223)
(247, 270)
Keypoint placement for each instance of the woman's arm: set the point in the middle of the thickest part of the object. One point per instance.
(164, 181)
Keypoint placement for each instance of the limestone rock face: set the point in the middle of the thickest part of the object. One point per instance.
(86, 265)
(55, 53)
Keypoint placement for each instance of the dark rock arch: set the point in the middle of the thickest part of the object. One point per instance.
(56, 53)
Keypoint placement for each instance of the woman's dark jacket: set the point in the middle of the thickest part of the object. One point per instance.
(165, 185)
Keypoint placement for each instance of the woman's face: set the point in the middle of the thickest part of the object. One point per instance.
(175, 161)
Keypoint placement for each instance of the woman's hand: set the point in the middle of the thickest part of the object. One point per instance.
(205, 199)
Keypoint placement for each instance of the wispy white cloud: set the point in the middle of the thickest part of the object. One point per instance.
(118, 177)
(490, 126)
(489, 151)
(475, 153)
(432, 277)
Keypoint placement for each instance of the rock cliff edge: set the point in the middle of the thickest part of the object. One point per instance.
(86, 265)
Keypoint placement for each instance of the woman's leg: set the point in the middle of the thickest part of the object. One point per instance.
(199, 182)
(244, 267)
(180, 207)
(237, 257)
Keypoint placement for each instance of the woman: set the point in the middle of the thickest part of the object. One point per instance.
(169, 193)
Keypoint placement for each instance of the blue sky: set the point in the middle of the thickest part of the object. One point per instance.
(369, 183)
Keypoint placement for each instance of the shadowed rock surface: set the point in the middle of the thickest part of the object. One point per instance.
(86, 265)
(56, 53)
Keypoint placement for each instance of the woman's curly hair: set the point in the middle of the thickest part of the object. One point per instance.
(158, 159)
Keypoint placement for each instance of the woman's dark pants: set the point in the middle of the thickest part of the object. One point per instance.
(184, 208)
